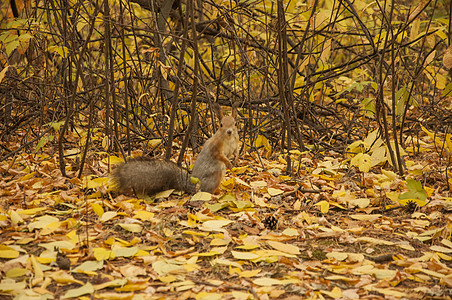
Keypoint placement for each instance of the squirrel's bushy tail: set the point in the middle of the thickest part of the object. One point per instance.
(150, 176)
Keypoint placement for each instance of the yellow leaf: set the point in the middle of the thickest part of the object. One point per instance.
(45, 260)
(131, 227)
(237, 295)
(83, 290)
(92, 182)
(239, 169)
(115, 296)
(9, 285)
(265, 281)
(42, 222)
(406, 247)
(269, 255)
(341, 277)
(7, 252)
(290, 232)
(370, 218)
(97, 208)
(16, 272)
(415, 28)
(166, 267)
(195, 233)
(144, 215)
(58, 244)
(15, 218)
(357, 147)
(111, 283)
(446, 280)
(124, 251)
(228, 184)
(244, 255)
(113, 160)
(325, 56)
(3, 72)
(335, 293)
(154, 142)
(389, 174)
(214, 225)
(208, 296)
(324, 206)
(241, 205)
(28, 176)
(164, 194)
(418, 202)
(50, 228)
(444, 256)
(39, 274)
(378, 156)
(441, 249)
(249, 242)
(274, 192)
(430, 58)
(220, 242)
(214, 251)
(226, 262)
(103, 254)
(31, 211)
(389, 292)
(431, 135)
(360, 202)
(291, 7)
(449, 142)
(263, 141)
(168, 279)
(105, 142)
(249, 273)
(291, 249)
(429, 191)
(375, 241)
(108, 216)
(241, 182)
(258, 184)
(362, 161)
(89, 266)
(447, 243)
(63, 277)
(168, 232)
(201, 196)
(339, 256)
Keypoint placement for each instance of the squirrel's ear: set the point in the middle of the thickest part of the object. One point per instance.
(217, 110)
(235, 106)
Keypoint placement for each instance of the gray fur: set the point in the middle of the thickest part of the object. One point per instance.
(208, 169)
(147, 177)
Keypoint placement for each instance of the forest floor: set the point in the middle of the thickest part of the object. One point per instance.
(328, 231)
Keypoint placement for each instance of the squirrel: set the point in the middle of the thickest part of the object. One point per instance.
(149, 176)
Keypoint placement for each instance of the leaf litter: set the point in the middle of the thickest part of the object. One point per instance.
(341, 227)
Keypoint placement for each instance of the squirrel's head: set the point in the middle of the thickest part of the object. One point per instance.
(228, 124)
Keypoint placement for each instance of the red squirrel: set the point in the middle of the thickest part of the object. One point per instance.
(210, 166)
(148, 176)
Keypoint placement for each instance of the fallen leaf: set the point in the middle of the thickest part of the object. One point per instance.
(83, 290)
(287, 248)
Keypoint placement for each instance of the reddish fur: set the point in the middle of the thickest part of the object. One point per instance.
(212, 162)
